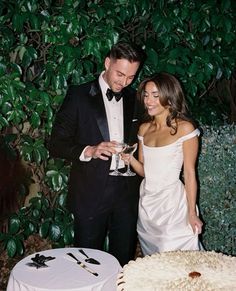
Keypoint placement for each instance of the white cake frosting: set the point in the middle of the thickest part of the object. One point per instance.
(180, 270)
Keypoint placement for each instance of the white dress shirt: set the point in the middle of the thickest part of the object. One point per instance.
(114, 113)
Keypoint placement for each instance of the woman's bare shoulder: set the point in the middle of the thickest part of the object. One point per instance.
(143, 128)
(185, 127)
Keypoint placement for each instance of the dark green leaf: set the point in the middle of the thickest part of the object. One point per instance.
(17, 22)
(36, 213)
(152, 56)
(35, 120)
(68, 236)
(3, 122)
(44, 229)
(62, 200)
(19, 246)
(11, 247)
(31, 228)
(14, 225)
(54, 232)
(219, 73)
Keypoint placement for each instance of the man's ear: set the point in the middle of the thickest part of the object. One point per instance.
(107, 63)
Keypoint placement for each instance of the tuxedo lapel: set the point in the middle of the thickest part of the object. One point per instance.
(128, 107)
(99, 110)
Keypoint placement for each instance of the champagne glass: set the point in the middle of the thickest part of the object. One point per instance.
(129, 149)
(119, 149)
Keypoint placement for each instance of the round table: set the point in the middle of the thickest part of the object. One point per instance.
(63, 273)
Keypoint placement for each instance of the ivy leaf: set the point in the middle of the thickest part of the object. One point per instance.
(19, 246)
(37, 156)
(36, 203)
(54, 232)
(45, 99)
(219, 73)
(11, 247)
(44, 229)
(62, 199)
(11, 92)
(22, 52)
(17, 22)
(152, 56)
(192, 88)
(68, 236)
(7, 106)
(14, 225)
(35, 120)
(31, 228)
(3, 122)
(34, 21)
(209, 68)
(36, 213)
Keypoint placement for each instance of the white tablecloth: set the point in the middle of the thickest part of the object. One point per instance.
(65, 274)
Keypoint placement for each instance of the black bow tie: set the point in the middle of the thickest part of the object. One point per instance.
(110, 94)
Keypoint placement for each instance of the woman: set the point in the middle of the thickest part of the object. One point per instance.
(168, 216)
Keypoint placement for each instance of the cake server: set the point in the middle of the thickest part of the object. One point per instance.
(89, 260)
(82, 264)
(37, 265)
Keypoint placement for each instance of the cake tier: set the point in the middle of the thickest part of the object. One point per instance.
(180, 270)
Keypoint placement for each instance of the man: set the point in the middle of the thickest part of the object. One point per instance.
(87, 128)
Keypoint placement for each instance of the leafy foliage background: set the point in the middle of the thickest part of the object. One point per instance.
(46, 45)
(217, 199)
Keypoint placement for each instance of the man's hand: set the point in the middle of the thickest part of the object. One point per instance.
(102, 151)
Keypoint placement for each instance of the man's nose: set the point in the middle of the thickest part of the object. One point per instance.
(125, 82)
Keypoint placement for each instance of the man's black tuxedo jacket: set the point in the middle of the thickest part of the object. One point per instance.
(81, 121)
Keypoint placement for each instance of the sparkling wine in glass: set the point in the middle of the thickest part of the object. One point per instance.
(119, 149)
(129, 149)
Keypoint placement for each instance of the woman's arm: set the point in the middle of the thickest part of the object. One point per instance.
(190, 150)
(137, 165)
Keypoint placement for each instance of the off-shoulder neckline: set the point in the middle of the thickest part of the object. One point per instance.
(167, 145)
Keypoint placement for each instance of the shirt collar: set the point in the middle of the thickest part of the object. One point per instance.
(103, 85)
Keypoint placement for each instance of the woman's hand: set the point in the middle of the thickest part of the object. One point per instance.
(126, 158)
(195, 223)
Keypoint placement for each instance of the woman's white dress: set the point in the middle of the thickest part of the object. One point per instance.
(163, 222)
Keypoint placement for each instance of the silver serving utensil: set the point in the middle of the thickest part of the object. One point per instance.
(82, 264)
(37, 265)
(89, 260)
(41, 259)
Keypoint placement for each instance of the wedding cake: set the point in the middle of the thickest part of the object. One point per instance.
(179, 270)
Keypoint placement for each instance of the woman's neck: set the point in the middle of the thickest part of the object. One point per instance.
(160, 120)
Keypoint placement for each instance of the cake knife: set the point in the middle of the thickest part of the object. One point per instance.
(82, 264)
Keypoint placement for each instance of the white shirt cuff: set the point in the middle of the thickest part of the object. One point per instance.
(83, 158)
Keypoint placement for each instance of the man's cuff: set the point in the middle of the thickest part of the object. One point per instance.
(82, 158)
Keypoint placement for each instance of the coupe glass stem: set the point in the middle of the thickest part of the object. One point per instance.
(117, 162)
(128, 167)
(128, 171)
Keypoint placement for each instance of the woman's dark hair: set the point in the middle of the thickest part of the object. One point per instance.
(171, 95)
(128, 51)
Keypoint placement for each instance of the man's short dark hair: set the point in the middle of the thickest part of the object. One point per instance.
(128, 51)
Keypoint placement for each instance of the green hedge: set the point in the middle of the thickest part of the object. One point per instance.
(217, 199)
(46, 45)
